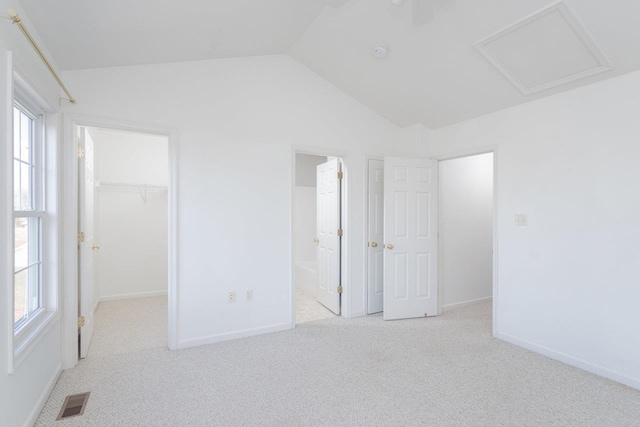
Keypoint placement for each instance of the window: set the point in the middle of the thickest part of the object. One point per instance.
(28, 213)
(34, 287)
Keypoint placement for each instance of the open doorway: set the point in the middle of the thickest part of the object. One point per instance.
(122, 240)
(317, 235)
(466, 231)
(445, 209)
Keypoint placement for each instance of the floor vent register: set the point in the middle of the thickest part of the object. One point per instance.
(73, 405)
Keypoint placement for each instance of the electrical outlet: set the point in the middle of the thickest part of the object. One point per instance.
(249, 296)
(232, 296)
(521, 220)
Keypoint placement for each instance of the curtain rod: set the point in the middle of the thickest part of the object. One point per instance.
(16, 20)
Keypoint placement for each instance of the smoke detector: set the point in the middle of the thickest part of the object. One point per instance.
(380, 51)
(398, 2)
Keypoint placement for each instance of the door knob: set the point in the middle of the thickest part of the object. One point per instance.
(316, 240)
(94, 247)
(374, 245)
(389, 246)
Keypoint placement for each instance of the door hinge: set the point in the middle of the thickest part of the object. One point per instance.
(80, 237)
(340, 289)
(80, 152)
(340, 232)
(80, 321)
(340, 175)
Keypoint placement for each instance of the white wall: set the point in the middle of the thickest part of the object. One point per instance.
(306, 169)
(466, 230)
(237, 120)
(568, 282)
(131, 224)
(23, 391)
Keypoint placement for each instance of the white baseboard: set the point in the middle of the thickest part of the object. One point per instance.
(131, 296)
(33, 416)
(573, 361)
(355, 314)
(194, 342)
(465, 303)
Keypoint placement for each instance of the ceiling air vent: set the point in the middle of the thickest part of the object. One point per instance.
(546, 49)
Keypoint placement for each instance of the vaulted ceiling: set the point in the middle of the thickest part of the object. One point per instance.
(93, 33)
(433, 74)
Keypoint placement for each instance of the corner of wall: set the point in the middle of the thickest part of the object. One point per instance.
(417, 139)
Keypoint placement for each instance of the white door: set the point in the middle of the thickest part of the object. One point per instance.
(86, 273)
(328, 237)
(375, 247)
(411, 238)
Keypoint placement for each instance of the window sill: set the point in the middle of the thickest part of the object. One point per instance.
(29, 335)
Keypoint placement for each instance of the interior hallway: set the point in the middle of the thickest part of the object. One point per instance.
(445, 371)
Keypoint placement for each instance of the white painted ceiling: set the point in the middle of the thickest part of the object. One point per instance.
(433, 74)
(106, 33)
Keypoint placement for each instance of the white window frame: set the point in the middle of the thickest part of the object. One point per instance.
(36, 193)
(28, 333)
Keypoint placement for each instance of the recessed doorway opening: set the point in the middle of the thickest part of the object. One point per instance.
(466, 230)
(445, 209)
(319, 223)
(123, 237)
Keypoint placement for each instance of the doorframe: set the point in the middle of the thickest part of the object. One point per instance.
(470, 153)
(70, 219)
(345, 244)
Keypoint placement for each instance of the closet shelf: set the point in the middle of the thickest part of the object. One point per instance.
(129, 186)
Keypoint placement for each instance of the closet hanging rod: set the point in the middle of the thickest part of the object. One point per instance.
(103, 184)
(16, 20)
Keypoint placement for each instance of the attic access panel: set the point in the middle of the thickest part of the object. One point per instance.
(546, 49)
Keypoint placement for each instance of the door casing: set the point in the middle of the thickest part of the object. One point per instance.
(456, 154)
(71, 122)
(345, 253)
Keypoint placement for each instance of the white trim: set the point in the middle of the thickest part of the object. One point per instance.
(575, 24)
(345, 157)
(42, 400)
(577, 362)
(450, 307)
(132, 296)
(34, 100)
(69, 160)
(9, 224)
(475, 152)
(211, 339)
(23, 340)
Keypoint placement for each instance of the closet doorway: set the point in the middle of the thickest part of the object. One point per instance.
(455, 204)
(122, 240)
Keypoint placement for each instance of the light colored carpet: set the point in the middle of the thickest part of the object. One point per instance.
(445, 371)
(127, 326)
(309, 309)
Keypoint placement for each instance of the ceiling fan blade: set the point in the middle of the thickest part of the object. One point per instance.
(422, 11)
